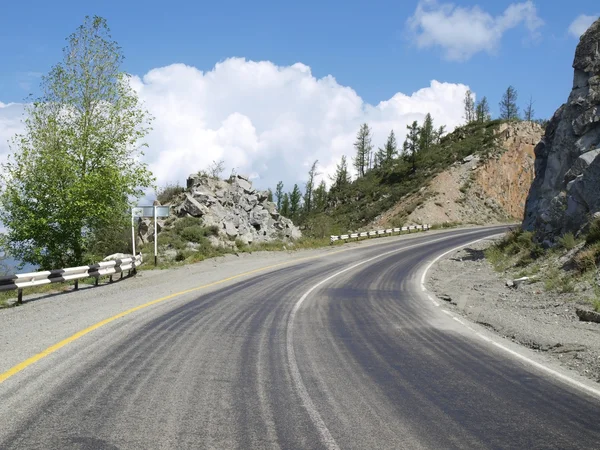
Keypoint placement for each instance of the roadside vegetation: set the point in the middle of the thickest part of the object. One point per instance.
(570, 266)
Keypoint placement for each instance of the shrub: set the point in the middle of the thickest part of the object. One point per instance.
(168, 192)
(567, 241)
(195, 233)
(596, 305)
(593, 234)
(586, 259)
(186, 222)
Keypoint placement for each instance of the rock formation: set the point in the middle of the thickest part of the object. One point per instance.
(565, 193)
(239, 211)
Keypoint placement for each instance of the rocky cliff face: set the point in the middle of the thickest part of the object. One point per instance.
(477, 190)
(234, 207)
(566, 191)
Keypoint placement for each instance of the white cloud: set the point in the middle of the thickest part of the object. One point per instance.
(581, 24)
(264, 120)
(462, 32)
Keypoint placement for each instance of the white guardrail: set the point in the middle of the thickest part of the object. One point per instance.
(105, 268)
(377, 233)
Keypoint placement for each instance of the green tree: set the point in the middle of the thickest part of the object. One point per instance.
(439, 133)
(308, 193)
(426, 134)
(364, 148)
(320, 197)
(285, 205)
(389, 151)
(269, 195)
(529, 112)
(469, 105)
(295, 197)
(482, 111)
(75, 171)
(341, 177)
(411, 144)
(508, 105)
(279, 194)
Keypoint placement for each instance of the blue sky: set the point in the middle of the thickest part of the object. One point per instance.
(362, 45)
(369, 48)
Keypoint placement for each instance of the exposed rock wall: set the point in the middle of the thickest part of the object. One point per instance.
(566, 191)
(237, 209)
(508, 178)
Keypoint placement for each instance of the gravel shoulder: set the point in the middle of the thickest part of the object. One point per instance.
(543, 321)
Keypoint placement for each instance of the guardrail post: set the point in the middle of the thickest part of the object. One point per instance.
(20, 297)
(76, 284)
(96, 281)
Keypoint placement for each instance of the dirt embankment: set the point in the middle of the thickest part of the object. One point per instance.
(476, 190)
(529, 315)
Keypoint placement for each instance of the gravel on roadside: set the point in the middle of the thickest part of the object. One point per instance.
(544, 321)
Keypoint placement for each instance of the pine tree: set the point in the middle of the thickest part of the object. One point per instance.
(426, 134)
(279, 194)
(508, 105)
(285, 205)
(320, 197)
(482, 112)
(295, 197)
(529, 112)
(411, 144)
(389, 151)
(308, 193)
(341, 177)
(439, 133)
(469, 104)
(269, 195)
(362, 161)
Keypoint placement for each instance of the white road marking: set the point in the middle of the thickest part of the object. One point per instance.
(307, 402)
(565, 378)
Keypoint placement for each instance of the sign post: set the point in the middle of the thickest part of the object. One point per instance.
(150, 212)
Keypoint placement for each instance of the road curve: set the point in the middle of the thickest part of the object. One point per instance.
(338, 352)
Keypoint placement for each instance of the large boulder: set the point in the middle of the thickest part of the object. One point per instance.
(234, 207)
(565, 193)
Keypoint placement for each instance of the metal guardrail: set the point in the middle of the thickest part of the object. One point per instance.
(377, 233)
(106, 268)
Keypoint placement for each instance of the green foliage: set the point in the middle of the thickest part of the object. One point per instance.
(556, 280)
(309, 191)
(596, 305)
(279, 195)
(195, 233)
(567, 241)
(168, 192)
(593, 234)
(294, 198)
(73, 173)
(469, 106)
(386, 155)
(285, 206)
(482, 111)
(508, 105)
(586, 259)
(364, 149)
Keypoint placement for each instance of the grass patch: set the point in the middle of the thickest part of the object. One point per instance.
(567, 241)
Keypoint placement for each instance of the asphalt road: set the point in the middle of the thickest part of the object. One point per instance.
(338, 352)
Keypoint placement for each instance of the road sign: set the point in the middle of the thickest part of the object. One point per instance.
(148, 211)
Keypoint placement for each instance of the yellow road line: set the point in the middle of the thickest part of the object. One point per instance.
(29, 361)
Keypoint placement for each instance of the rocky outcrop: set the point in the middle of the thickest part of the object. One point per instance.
(239, 211)
(476, 189)
(565, 193)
